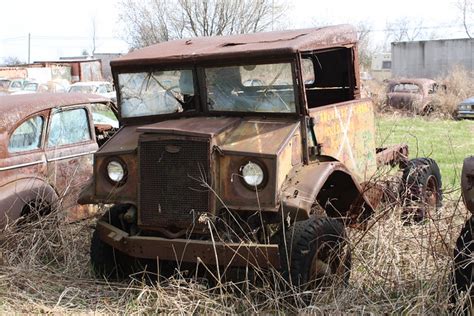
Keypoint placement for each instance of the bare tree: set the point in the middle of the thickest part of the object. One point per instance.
(364, 38)
(405, 29)
(12, 61)
(466, 8)
(152, 21)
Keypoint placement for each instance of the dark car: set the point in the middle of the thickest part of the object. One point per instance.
(466, 109)
(47, 142)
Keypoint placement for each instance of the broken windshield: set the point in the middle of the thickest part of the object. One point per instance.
(156, 92)
(251, 88)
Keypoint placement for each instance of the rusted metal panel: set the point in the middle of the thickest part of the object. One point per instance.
(467, 183)
(188, 250)
(241, 46)
(346, 131)
(396, 154)
(197, 126)
(235, 194)
(301, 191)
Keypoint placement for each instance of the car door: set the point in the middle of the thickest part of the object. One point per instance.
(69, 150)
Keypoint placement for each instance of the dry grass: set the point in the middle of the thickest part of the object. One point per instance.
(396, 268)
(459, 86)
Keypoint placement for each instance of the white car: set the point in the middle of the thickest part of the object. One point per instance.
(102, 88)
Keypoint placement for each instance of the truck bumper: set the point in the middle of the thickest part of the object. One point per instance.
(190, 250)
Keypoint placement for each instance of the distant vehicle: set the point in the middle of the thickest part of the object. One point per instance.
(412, 94)
(102, 88)
(253, 83)
(8, 86)
(466, 109)
(46, 147)
(51, 86)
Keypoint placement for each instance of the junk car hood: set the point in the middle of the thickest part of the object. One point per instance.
(231, 135)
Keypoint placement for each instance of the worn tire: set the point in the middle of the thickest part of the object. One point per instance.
(463, 274)
(106, 261)
(315, 254)
(420, 189)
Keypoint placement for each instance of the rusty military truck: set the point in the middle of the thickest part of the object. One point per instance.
(238, 151)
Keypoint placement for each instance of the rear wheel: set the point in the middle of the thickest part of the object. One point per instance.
(420, 189)
(315, 253)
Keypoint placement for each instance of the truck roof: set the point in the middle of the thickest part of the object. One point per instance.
(241, 46)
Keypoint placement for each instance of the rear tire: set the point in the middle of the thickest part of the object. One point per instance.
(421, 189)
(315, 254)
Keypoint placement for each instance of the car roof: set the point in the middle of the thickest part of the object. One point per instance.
(241, 46)
(17, 107)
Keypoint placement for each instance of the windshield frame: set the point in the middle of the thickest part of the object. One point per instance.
(200, 89)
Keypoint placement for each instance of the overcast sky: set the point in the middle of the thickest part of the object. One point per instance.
(64, 28)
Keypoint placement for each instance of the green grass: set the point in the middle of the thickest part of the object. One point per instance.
(446, 141)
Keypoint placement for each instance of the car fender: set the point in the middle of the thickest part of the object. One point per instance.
(16, 194)
(467, 183)
(330, 184)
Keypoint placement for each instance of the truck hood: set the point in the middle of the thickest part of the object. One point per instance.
(232, 135)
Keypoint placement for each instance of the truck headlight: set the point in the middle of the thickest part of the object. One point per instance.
(116, 171)
(252, 174)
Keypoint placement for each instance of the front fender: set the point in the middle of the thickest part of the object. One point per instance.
(15, 195)
(467, 183)
(332, 186)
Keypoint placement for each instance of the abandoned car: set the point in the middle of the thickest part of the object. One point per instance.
(414, 95)
(465, 109)
(46, 147)
(209, 169)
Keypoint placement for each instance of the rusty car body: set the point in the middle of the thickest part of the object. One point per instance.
(463, 266)
(208, 169)
(414, 94)
(46, 147)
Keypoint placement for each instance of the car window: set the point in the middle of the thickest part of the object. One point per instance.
(69, 127)
(103, 114)
(16, 84)
(101, 89)
(307, 68)
(27, 136)
(406, 87)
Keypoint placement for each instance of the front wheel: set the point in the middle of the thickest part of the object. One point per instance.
(106, 261)
(315, 253)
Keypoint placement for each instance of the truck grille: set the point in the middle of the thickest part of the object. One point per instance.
(171, 190)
